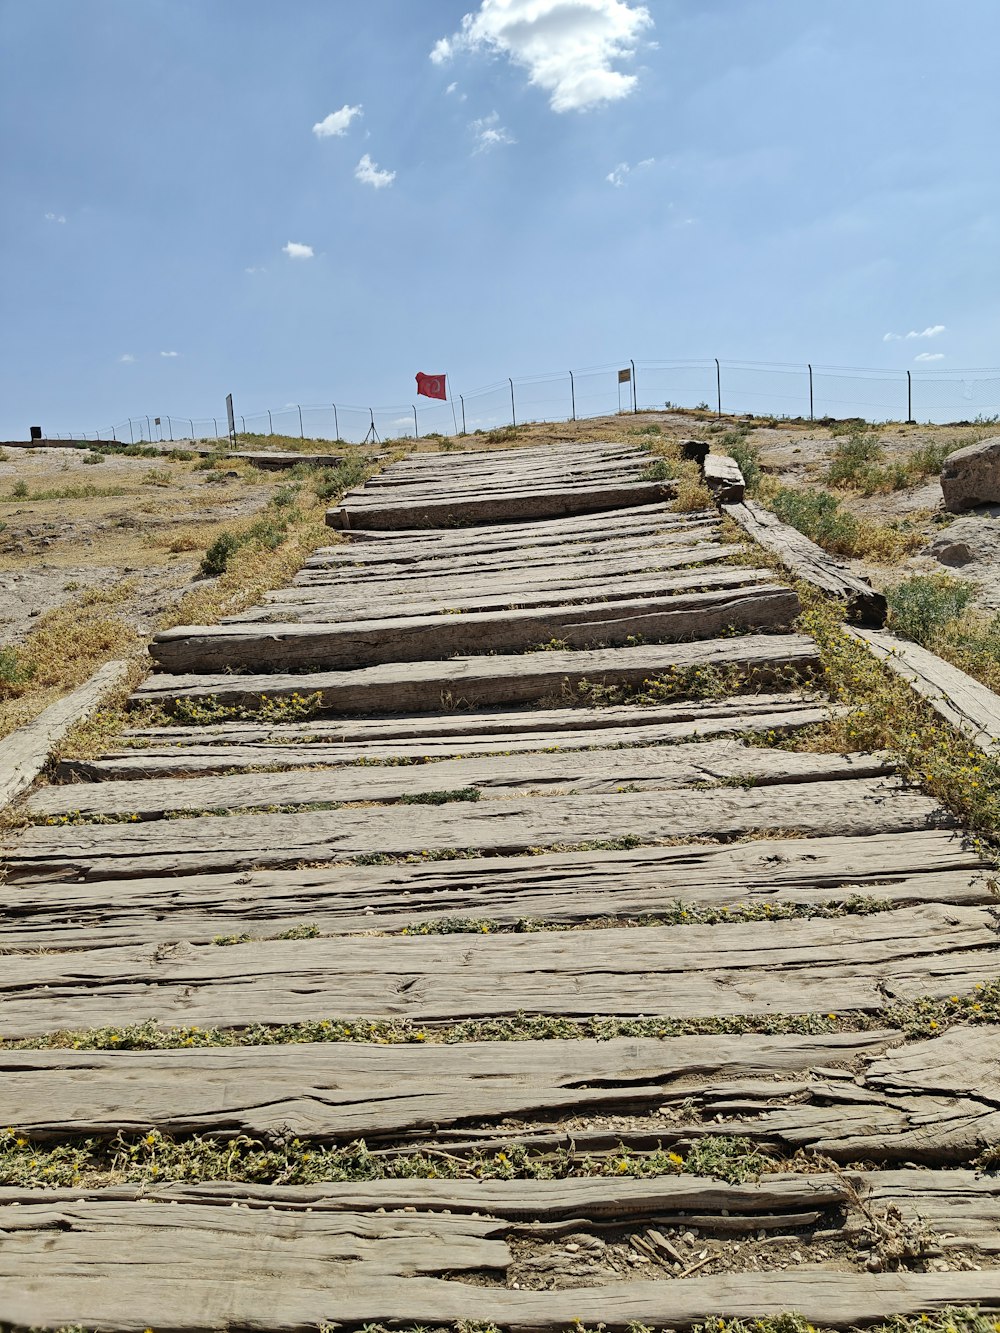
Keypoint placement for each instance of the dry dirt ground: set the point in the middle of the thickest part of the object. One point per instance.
(129, 525)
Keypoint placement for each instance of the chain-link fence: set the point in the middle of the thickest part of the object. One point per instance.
(727, 387)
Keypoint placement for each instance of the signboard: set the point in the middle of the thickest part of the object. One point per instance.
(624, 376)
(156, 421)
(36, 432)
(232, 419)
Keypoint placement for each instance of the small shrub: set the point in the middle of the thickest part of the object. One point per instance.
(922, 606)
(928, 460)
(659, 470)
(15, 671)
(503, 435)
(19, 491)
(156, 476)
(216, 559)
(330, 483)
(91, 460)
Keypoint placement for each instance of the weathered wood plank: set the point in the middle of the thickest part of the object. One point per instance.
(805, 560)
(188, 759)
(724, 478)
(522, 578)
(444, 560)
(500, 776)
(288, 1259)
(372, 548)
(798, 966)
(332, 603)
(475, 681)
(960, 699)
(559, 887)
(349, 643)
(880, 805)
(25, 752)
(536, 503)
(764, 1088)
(338, 1090)
(482, 725)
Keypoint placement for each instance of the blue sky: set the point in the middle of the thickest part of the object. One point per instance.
(550, 184)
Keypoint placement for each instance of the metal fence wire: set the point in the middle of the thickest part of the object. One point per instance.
(808, 392)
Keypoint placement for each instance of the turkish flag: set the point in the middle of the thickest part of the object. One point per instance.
(431, 386)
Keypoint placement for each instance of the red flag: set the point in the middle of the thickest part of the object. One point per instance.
(431, 386)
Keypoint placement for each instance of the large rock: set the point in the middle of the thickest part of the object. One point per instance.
(971, 476)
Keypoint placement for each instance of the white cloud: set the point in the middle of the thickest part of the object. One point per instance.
(336, 123)
(932, 331)
(255, 268)
(296, 251)
(929, 356)
(127, 358)
(451, 88)
(623, 169)
(369, 173)
(568, 47)
(55, 217)
(489, 133)
(170, 354)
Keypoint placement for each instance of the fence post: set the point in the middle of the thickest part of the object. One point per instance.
(513, 413)
(811, 393)
(572, 394)
(302, 434)
(635, 394)
(718, 384)
(131, 432)
(909, 400)
(336, 423)
(270, 428)
(191, 423)
(170, 430)
(215, 427)
(416, 428)
(149, 429)
(243, 423)
(462, 401)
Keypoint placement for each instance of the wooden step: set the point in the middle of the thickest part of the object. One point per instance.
(811, 966)
(347, 644)
(488, 681)
(344, 602)
(851, 1097)
(561, 888)
(353, 512)
(499, 776)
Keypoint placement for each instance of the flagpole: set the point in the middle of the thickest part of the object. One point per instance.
(447, 380)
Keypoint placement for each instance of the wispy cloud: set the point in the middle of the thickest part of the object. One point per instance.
(929, 356)
(337, 123)
(170, 354)
(568, 47)
(255, 268)
(370, 173)
(489, 133)
(932, 331)
(55, 217)
(126, 358)
(623, 170)
(295, 250)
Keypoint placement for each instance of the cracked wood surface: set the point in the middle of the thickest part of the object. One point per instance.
(347, 1091)
(475, 681)
(243, 841)
(565, 888)
(964, 702)
(231, 754)
(296, 646)
(400, 511)
(799, 966)
(196, 1261)
(606, 771)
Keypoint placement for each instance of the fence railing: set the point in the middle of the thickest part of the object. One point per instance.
(811, 392)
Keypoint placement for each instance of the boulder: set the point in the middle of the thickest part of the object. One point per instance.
(971, 476)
